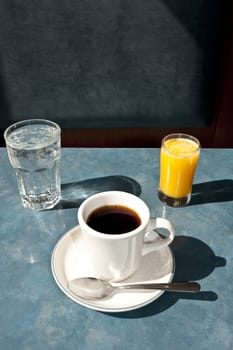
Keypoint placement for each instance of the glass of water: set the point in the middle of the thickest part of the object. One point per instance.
(34, 150)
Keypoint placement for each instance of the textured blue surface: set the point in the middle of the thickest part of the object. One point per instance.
(35, 314)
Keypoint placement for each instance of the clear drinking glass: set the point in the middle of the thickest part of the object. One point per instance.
(179, 157)
(34, 150)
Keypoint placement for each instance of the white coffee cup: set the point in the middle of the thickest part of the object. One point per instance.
(117, 256)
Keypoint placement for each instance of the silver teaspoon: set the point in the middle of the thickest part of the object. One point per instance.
(94, 288)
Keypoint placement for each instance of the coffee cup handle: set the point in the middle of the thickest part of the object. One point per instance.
(153, 240)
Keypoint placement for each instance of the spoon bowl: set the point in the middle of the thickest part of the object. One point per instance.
(94, 288)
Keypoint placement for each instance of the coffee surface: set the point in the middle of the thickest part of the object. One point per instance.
(113, 219)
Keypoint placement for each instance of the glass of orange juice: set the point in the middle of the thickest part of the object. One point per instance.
(179, 156)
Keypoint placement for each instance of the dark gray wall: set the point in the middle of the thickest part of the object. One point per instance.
(108, 63)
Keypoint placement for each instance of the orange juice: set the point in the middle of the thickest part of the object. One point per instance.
(178, 161)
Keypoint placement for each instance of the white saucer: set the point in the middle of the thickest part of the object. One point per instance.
(69, 261)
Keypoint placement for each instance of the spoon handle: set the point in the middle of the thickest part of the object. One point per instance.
(173, 286)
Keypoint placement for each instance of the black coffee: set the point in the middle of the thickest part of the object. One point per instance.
(113, 219)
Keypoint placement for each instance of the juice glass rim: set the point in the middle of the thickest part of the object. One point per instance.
(181, 136)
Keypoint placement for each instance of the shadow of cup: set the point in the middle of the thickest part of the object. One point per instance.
(194, 261)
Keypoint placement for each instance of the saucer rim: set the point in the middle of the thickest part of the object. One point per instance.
(88, 303)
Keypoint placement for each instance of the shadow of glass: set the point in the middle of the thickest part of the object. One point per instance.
(212, 191)
(73, 194)
(194, 260)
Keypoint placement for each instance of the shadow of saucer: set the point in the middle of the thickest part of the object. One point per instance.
(194, 260)
(73, 194)
(212, 191)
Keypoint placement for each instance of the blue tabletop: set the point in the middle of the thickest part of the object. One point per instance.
(34, 312)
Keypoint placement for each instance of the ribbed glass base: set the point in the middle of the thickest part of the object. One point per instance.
(174, 202)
